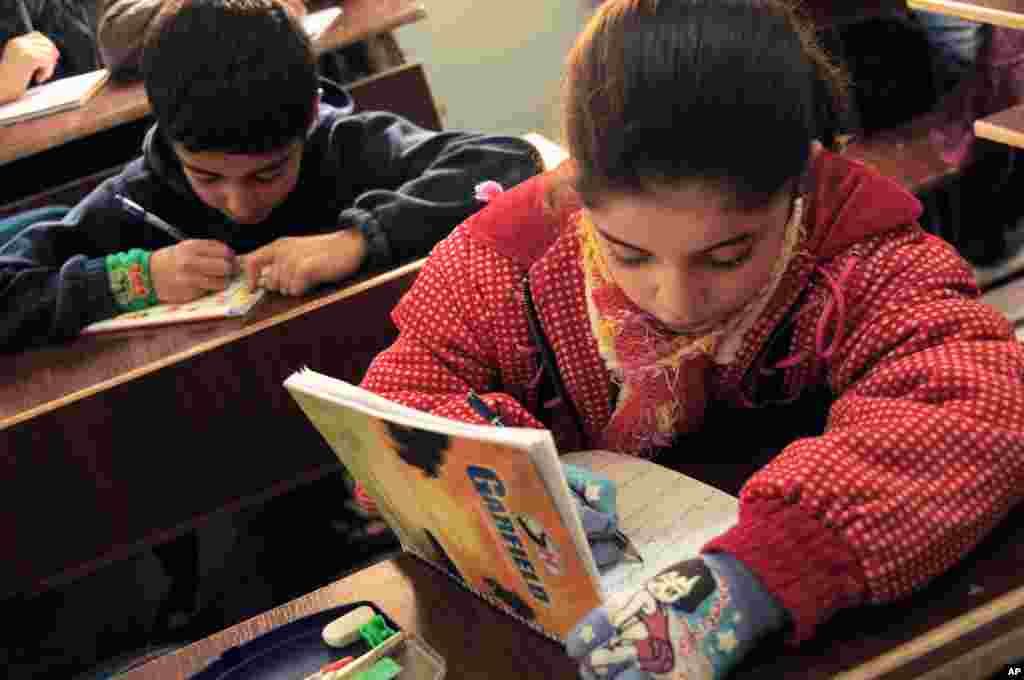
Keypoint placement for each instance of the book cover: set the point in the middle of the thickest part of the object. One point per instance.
(235, 300)
(476, 509)
(491, 508)
(62, 94)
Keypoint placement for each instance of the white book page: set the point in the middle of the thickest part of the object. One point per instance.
(347, 394)
(548, 464)
(51, 97)
(318, 23)
(667, 515)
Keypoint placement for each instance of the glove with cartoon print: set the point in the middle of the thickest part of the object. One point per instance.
(694, 620)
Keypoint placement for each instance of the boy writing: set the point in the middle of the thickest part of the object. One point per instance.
(257, 173)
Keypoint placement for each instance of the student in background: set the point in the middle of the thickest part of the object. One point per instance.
(122, 28)
(44, 39)
(123, 25)
(688, 263)
(247, 162)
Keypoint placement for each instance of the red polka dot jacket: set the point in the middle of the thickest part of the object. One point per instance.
(924, 449)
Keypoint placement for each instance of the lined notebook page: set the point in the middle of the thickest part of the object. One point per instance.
(667, 515)
(55, 96)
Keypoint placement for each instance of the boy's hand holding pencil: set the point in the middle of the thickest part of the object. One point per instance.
(191, 269)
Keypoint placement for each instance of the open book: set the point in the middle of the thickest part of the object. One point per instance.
(61, 94)
(235, 300)
(317, 24)
(491, 507)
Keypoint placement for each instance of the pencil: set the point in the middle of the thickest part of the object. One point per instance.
(483, 410)
(629, 550)
(136, 210)
(26, 18)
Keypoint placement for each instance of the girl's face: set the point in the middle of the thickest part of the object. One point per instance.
(686, 256)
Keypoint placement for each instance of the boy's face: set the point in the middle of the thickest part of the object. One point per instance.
(244, 187)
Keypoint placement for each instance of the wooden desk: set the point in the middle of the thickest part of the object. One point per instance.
(967, 625)
(1009, 13)
(105, 448)
(1005, 127)
(120, 103)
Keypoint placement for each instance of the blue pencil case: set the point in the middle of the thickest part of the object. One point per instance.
(295, 650)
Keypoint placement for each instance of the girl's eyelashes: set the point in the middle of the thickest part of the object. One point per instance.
(731, 262)
(631, 260)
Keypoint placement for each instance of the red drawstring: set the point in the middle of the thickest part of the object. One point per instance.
(836, 306)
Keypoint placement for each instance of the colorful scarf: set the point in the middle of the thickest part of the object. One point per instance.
(662, 375)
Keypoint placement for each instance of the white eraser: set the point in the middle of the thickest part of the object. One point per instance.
(344, 631)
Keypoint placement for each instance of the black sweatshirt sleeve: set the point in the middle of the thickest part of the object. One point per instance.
(416, 185)
(53, 276)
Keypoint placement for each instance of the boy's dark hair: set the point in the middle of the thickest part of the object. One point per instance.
(232, 76)
(723, 93)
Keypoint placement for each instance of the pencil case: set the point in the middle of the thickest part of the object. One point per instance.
(295, 650)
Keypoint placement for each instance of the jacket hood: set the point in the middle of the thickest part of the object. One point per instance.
(851, 202)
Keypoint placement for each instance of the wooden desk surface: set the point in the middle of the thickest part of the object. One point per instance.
(119, 103)
(103, 449)
(1009, 13)
(966, 625)
(1005, 127)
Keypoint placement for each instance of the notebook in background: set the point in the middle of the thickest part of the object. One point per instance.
(235, 300)
(490, 507)
(319, 23)
(62, 94)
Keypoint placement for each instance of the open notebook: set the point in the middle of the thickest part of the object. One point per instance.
(62, 94)
(235, 300)
(490, 507)
(317, 24)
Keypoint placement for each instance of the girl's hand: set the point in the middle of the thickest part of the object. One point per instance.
(688, 621)
(296, 6)
(595, 501)
(29, 58)
(191, 269)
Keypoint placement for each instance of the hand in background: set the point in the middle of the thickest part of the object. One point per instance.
(696, 619)
(293, 265)
(191, 269)
(29, 58)
(296, 6)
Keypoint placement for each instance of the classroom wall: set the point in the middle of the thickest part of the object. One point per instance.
(495, 67)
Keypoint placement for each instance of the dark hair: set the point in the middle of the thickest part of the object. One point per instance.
(724, 93)
(234, 76)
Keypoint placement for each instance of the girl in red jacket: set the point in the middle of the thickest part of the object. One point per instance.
(700, 247)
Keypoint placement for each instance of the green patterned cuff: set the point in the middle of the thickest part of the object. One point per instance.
(130, 282)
